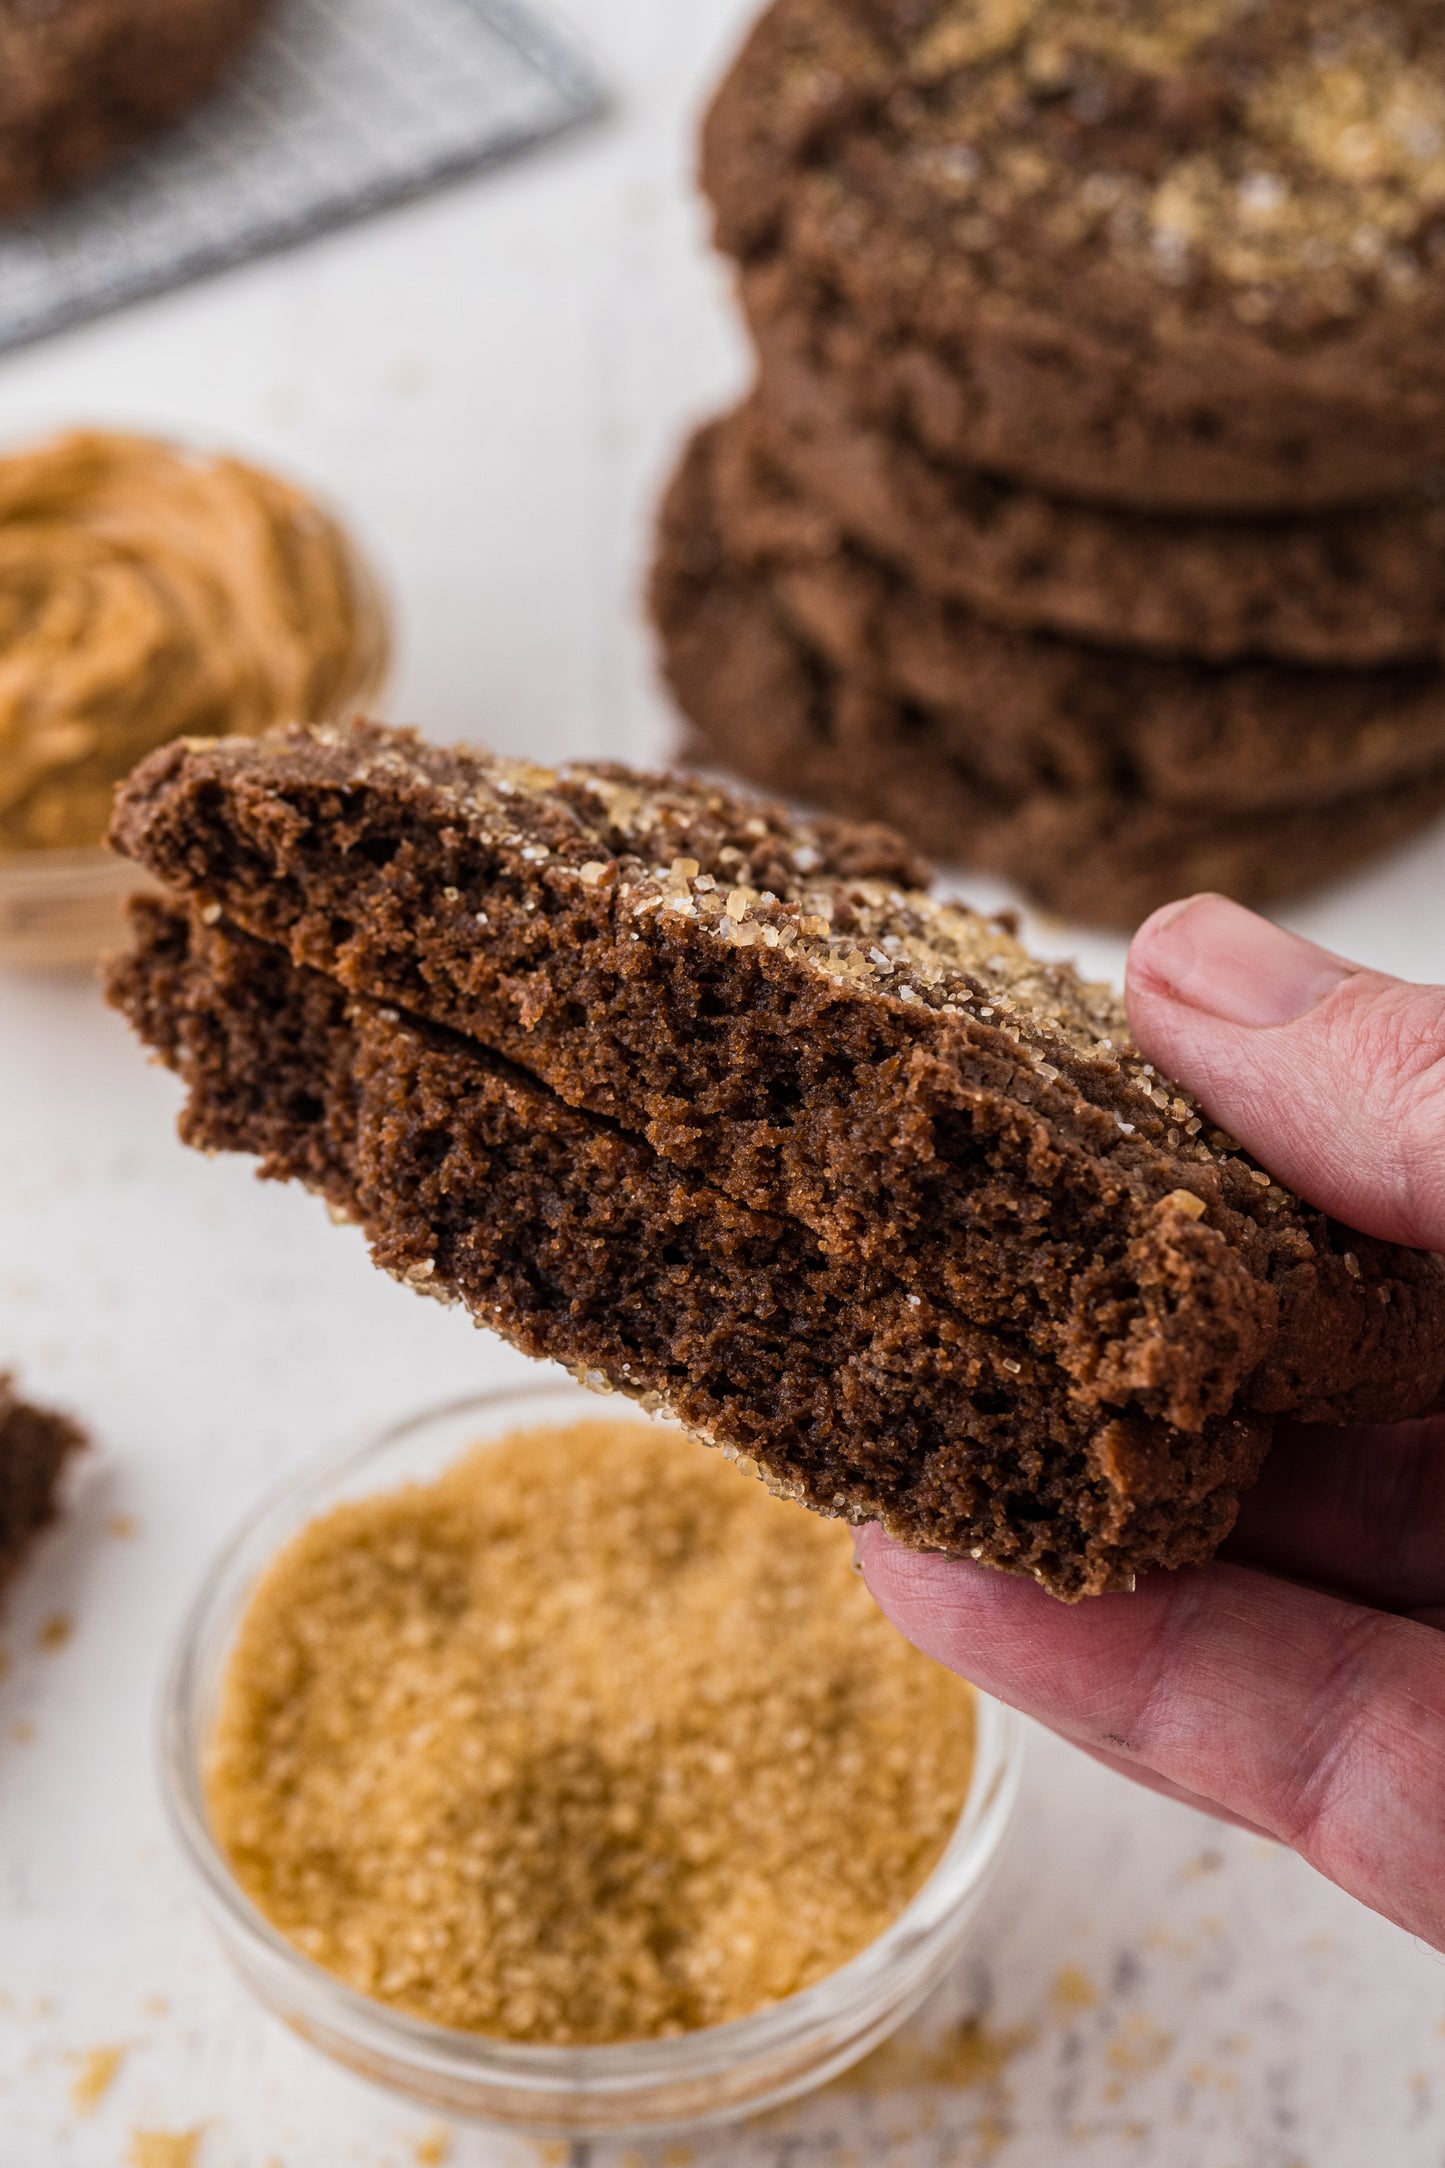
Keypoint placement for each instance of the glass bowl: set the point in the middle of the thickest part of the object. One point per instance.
(634, 2089)
(60, 910)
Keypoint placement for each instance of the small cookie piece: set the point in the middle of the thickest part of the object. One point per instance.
(897, 1073)
(82, 80)
(35, 1446)
(1188, 256)
(1031, 712)
(1358, 588)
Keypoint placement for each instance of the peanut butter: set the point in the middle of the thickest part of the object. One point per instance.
(145, 593)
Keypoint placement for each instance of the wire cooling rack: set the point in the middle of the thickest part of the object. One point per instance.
(337, 108)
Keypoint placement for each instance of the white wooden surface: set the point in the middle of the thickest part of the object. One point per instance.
(492, 384)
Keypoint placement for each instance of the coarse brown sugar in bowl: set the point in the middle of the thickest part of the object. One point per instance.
(570, 1780)
(591, 1739)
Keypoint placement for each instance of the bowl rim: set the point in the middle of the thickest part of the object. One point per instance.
(198, 1654)
(53, 861)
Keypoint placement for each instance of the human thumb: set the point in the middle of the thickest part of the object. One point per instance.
(1332, 1075)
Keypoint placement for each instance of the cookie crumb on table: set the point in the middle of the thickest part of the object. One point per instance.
(164, 2148)
(99, 2069)
(35, 1447)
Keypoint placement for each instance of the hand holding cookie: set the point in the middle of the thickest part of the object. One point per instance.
(1297, 1685)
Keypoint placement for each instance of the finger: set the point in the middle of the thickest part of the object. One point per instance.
(1318, 1721)
(1150, 1781)
(1362, 1510)
(1334, 1076)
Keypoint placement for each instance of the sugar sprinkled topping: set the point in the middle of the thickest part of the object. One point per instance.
(1293, 154)
(679, 851)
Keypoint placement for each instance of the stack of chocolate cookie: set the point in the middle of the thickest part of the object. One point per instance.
(1085, 519)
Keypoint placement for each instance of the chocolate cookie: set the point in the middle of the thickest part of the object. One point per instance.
(35, 1445)
(1188, 256)
(83, 80)
(1356, 588)
(1029, 710)
(895, 1073)
(578, 1243)
(768, 704)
